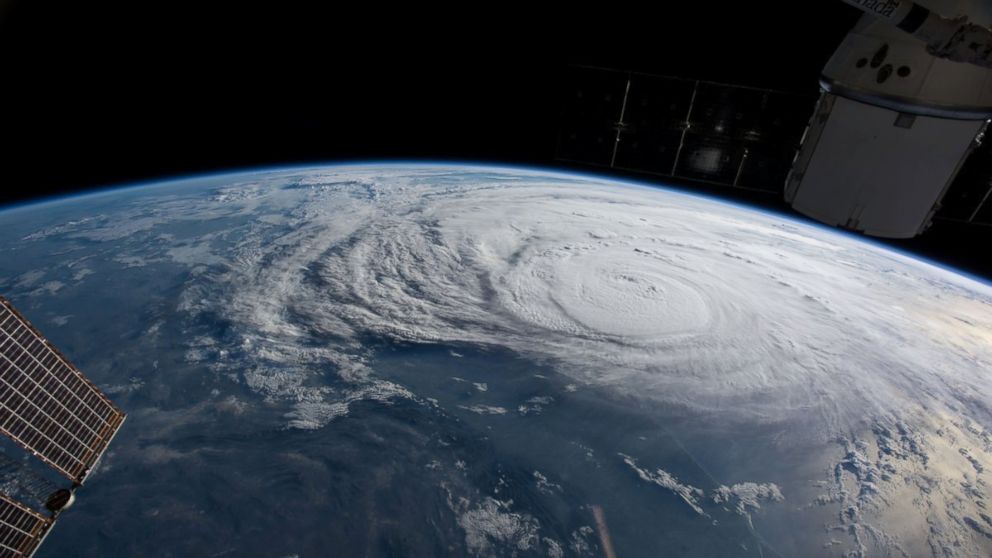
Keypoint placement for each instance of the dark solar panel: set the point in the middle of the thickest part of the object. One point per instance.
(592, 106)
(655, 119)
(21, 529)
(708, 157)
(46, 405)
(969, 198)
(765, 168)
(716, 133)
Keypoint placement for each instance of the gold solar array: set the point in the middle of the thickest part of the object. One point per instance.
(21, 529)
(51, 410)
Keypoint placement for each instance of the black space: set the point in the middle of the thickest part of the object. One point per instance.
(95, 95)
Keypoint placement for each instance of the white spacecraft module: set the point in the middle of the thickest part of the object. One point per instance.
(52, 411)
(905, 99)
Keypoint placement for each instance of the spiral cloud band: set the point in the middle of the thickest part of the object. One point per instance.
(654, 293)
(742, 318)
(789, 374)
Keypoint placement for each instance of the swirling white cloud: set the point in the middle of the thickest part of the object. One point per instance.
(681, 299)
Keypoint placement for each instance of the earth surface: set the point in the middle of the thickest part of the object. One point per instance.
(417, 360)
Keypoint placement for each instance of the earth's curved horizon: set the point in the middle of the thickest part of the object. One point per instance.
(426, 359)
(677, 189)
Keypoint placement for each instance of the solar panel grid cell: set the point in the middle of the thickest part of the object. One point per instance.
(46, 405)
(21, 529)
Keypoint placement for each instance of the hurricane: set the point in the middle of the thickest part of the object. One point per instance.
(794, 389)
(665, 296)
